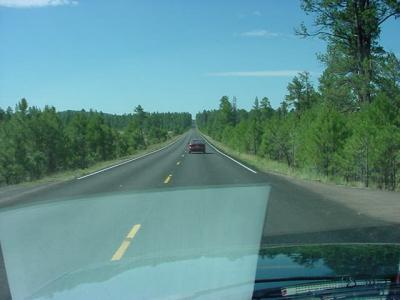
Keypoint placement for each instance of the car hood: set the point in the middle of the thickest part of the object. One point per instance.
(192, 243)
(221, 274)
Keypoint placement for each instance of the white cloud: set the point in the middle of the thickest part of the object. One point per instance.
(263, 33)
(36, 3)
(270, 73)
(256, 13)
(260, 33)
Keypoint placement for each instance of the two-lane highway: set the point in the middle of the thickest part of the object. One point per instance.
(170, 167)
(295, 214)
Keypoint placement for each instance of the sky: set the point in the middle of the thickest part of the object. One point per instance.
(177, 55)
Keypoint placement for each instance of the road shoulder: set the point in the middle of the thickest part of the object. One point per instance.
(382, 205)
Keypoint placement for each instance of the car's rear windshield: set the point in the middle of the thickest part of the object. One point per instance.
(197, 142)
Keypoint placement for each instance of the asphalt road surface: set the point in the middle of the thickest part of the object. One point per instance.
(162, 203)
(295, 214)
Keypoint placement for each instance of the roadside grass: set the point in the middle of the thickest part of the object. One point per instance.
(279, 168)
(71, 174)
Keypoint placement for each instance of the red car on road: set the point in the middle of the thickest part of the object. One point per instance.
(197, 146)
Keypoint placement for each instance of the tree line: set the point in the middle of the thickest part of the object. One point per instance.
(346, 126)
(119, 122)
(37, 142)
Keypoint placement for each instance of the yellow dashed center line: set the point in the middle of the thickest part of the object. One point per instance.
(133, 231)
(125, 243)
(178, 163)
(167, 180)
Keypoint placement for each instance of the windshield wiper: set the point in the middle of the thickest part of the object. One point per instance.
(304, 278)
(334, 287)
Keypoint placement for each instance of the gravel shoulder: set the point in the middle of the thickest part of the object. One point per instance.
(382, 205)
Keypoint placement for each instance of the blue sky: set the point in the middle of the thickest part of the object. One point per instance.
(165, 55)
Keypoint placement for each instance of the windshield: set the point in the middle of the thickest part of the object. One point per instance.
(199, 149)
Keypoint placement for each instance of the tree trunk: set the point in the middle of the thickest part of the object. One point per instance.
(363, 50)
(367, 169)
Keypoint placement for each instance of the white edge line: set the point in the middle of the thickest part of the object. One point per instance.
(239, 163)
(128, 161)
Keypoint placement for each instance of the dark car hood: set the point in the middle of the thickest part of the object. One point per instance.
(223, 274)
(193, 242)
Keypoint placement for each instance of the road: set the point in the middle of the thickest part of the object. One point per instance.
(164, 204)
(295, 214)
